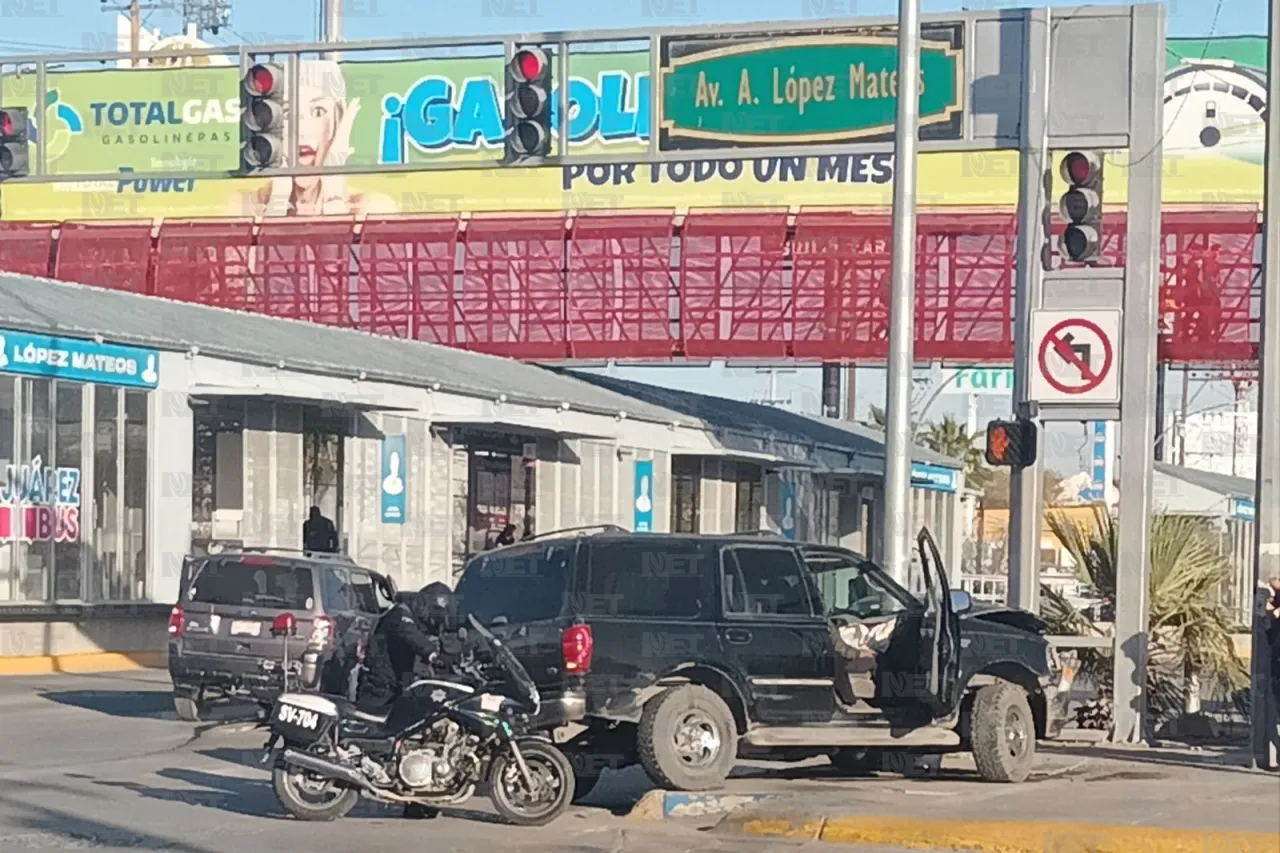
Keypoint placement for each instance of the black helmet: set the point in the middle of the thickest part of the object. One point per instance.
(433, 606)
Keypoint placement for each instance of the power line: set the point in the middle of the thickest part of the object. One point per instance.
(1204, 54)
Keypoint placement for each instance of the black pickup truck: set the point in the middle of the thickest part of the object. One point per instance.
(685, 652)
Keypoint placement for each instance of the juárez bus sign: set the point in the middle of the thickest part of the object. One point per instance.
(40, 503)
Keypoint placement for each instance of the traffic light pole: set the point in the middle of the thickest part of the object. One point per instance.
(1138, 374)
(1264, 709)
(1026, 484)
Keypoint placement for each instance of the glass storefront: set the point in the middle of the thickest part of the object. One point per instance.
(73, 501)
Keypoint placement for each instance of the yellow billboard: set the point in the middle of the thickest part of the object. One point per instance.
(129, 121)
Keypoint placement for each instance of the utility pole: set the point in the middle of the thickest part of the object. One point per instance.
(135, 8)
(897, 533)
(1182, 418)
(851, 393)
(135, 30)
(332, 25)
(1267, 500)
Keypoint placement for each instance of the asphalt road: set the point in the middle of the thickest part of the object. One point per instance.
(101, 763)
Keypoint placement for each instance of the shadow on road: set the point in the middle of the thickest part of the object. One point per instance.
(254, 797)
(147, 704)
(250, 797)
(117, 703)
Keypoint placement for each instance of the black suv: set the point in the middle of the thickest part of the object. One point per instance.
(237, 609)
(684, 652)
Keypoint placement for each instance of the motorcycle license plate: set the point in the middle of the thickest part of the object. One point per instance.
(302, 718)
(246, 629)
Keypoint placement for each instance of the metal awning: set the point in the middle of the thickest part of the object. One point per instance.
(518, 426)
(362, 402)
(769, 460)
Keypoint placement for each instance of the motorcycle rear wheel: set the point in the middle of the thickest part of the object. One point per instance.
(311, 799)
(553, 774)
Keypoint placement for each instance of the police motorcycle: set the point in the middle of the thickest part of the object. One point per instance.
(440, 740)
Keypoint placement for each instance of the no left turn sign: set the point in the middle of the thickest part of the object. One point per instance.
(1076, 357)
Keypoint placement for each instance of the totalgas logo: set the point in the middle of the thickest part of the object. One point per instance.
(62, 121)
(149, 113)
(437, 114)
(169, 121)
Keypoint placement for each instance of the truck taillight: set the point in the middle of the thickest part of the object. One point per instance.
(576, 645)
(177, 621)
(322, 628)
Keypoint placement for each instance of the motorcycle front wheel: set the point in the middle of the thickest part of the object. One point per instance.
(308, 797)
(552, 790)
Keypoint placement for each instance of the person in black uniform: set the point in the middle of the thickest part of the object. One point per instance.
(406, 638)
(410, 639)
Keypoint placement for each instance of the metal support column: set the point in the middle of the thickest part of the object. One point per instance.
(851, 393)
(897, 532)
(1138, 374)
(831, 390)
(1162, 447)
(1267, 500)
(1025, 484)
(332, 21)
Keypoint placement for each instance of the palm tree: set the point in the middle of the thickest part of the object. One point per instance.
(1189, 634)
(951, 438)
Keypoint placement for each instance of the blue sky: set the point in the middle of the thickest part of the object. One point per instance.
(39, 25)
(47, 26)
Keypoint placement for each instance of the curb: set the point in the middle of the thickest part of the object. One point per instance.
(993, 836)
(84, 663)
(665, 805)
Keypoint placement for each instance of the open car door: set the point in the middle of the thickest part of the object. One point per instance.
(941, 631)
(191, 566)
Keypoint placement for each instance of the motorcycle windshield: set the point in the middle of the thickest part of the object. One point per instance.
(518, 675)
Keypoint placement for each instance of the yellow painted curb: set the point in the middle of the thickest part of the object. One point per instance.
(1007, 836)
(89, 662)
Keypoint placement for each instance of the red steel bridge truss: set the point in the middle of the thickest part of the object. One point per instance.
(654, 285)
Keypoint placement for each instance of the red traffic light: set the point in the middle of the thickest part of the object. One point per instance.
(1080, 167)
(998, 443)
(1011, 444)
(6, 124)
(529, 64)
(261, 80)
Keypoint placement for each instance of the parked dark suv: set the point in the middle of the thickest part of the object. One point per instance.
(682, 653)
(221, 638)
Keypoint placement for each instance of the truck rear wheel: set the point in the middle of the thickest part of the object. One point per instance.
(1003, 733)
(687, 739)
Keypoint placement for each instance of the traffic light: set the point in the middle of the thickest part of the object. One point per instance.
(1011, 444)
(1081, 206)
(15, 151)
(262, 131)
(528, 105)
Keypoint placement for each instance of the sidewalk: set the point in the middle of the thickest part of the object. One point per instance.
(1091, 800)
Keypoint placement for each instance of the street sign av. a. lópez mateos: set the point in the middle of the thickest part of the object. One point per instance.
(1075, 358)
